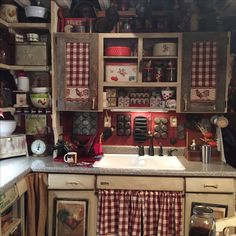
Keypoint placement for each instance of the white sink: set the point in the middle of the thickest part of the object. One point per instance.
(133, 161)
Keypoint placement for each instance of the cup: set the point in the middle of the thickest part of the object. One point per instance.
(206, 153)
(70, 157)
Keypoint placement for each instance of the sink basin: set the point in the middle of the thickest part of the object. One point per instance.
(133, 161)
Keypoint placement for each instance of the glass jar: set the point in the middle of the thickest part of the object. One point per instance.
(202, 222)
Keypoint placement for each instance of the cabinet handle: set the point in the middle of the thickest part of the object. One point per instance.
(185, 102)
(104, 183)
(73, 182)
(210, 186)
(9, 139)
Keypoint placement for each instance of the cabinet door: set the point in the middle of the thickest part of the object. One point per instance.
(204, 71)
(76, 71)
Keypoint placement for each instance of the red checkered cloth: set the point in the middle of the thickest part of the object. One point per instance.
(77, 71)
(136, 213)
(204, 63)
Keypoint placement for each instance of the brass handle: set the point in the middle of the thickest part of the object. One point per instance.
(105, 183)
(93, 103)
(211, 186)
(185, 102)
(73, 182)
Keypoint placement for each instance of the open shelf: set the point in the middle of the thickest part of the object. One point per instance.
(26, 68)
(142, 84)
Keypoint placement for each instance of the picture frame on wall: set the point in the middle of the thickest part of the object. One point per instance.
(219, 210)
(70, 217)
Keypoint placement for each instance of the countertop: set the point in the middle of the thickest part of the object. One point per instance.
(13, 169)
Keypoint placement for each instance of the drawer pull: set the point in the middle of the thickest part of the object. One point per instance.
(73, 182)
(104, 183)
(211, 186)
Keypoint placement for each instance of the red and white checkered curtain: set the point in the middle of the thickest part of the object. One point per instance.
(139, 213)
(204, 63)
(77, 71)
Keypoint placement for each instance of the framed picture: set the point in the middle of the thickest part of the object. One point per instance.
(219, 211)
(70, 217)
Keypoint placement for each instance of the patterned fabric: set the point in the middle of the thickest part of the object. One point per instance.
(77, 71)
(204, 62)
(139, 213)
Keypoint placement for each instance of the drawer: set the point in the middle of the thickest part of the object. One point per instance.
(210, 185)
(140, 183)
(70, 181)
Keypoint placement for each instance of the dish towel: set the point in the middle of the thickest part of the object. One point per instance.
(204, 63)
(139, 213)
(77, 72)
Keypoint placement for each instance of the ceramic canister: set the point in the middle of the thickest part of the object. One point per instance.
(23, 83)
(164, 49)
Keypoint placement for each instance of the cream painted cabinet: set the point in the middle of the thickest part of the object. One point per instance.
(217, 193)
(72, 205)
(12, 210)
(205, 73)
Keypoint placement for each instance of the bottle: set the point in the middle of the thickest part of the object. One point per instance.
(193, 145)
(202, 222)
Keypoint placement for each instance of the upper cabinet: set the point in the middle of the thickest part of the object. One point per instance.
(140, 71)
(76, 71)
(205, 68)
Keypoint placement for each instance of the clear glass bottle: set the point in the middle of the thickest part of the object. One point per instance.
(202, 222)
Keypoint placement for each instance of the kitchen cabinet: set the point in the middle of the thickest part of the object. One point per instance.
(205, 71)
(136, 78)
(217, 193)
(77, 75)
(72, 189)
(12, 201)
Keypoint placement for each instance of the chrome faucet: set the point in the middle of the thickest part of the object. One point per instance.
(160, 150)
(141, 150)
(150, 148)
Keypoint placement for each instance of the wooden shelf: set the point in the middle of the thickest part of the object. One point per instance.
(26, 68)
(132, 13)
(138, 109)
(160, 57)
(35, 26)
(118, 57)
(143, 84)
(23, 25)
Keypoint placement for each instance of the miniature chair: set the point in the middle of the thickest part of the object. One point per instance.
(226, 226)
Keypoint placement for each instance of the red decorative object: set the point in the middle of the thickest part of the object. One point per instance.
(118, 51)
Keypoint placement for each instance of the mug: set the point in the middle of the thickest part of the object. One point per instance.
(70, 157)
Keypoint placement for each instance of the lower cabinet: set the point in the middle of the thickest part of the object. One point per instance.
(12, 210)
(73, 199)
(217, 193)
(72, 205)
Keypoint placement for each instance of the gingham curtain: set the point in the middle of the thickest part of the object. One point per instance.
(139, 213)
(77, 71)
(204, 65)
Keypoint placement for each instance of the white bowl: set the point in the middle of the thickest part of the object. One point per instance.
(40, 89)
(7, 127)
(36, 11)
